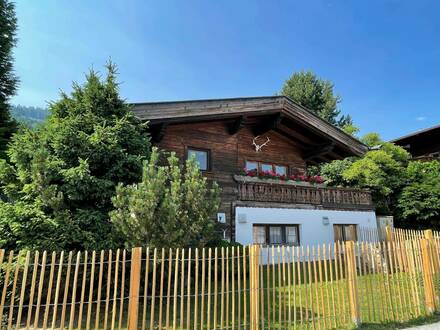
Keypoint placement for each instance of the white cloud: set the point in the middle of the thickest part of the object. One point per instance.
(421, 118)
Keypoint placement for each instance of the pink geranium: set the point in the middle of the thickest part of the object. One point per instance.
(315, 179)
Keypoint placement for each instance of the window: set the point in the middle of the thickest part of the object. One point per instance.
(276, 234)
(275, 237)
(251, 166)
(281, 170)
(345, 233)
(266, 167)
(292, 235)
(201, 156)
(259, 235)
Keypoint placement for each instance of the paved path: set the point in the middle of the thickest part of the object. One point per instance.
(433, 326)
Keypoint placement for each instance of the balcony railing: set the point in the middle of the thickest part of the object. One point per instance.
(327, 197)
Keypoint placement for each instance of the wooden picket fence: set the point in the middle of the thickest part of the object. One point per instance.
(321, 287)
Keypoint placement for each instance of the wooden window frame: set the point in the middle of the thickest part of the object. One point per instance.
(208, 156)
(260, 163)
(344, 238)
(283, 233)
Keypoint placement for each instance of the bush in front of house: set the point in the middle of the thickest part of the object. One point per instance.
(172, 206)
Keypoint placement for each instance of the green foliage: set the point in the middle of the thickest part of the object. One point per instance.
(317, 95)
(218, 242)
(333, 172)
(30, 116)
(172, 206)
(382, 171)
(350, 129)
(420, 198)
(408, 190)
(67, 169)
(371, 139)
(8, 80)
(25, 226)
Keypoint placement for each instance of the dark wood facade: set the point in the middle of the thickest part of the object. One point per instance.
(226, 129)
(424, 144)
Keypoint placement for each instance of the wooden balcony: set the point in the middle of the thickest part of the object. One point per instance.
(256, 190)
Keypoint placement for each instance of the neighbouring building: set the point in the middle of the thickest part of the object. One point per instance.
(236, 141)
(423, 144)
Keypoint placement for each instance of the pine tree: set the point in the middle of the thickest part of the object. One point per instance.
(8, 80)
(173, 205)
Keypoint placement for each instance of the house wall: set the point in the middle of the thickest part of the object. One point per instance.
(312, 231)
(229, 153)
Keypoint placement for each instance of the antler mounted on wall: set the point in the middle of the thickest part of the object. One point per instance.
(258, 147)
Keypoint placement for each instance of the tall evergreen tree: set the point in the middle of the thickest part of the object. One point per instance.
(62, 175)
(317, 95)
(8, 80)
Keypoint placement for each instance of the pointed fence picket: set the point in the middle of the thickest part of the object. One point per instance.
(284, 287)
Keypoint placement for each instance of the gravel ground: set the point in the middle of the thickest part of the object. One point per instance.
(433, 326)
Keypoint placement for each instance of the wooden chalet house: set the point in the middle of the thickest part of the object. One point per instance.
(423, 144)
(261, 135)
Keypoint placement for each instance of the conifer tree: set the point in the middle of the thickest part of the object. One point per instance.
(173, 205)
(8, 80)
(61, 176)
(317, 95)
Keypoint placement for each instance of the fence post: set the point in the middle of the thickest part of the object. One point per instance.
(430, 237)
(428, 283)
(388, 234)
(135, 275)
(352, 282)
(254, 285)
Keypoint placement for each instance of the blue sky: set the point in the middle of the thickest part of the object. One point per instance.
(383, 56)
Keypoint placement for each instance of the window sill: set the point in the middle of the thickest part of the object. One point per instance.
(277, 245)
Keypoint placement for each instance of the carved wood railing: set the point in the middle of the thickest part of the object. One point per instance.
(326, 196)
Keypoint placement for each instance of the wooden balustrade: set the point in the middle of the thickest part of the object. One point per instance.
(330, 197)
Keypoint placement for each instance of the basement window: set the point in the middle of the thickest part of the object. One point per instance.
(345, 233)
(279, 234)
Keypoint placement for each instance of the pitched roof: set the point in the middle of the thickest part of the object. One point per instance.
(419, 133)
(199, 110)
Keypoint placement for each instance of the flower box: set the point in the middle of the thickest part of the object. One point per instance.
(246, 178)
(270, 175)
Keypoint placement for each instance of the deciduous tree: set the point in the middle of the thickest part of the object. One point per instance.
(419, 200)
(383, 172)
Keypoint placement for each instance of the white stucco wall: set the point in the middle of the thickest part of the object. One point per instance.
(312, 231)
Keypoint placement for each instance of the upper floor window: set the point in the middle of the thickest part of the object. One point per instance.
(201, 156)
(251, 166)
(266, 167)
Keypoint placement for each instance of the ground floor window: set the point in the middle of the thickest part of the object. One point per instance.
(345, 232)
(276, 234)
